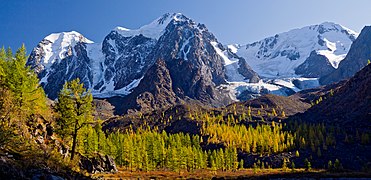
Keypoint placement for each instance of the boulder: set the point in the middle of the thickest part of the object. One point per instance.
(98, 163)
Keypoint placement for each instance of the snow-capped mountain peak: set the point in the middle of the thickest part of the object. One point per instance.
(57, 46)
(67, 37)
(280, 55)
(179, 17)
(331, 26)
(155, 29)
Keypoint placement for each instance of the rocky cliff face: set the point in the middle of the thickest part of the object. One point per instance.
(124, 61)
(355, 60)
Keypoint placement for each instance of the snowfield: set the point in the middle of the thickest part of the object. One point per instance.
(279, 55)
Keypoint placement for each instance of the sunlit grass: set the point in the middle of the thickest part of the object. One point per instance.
(245, 173)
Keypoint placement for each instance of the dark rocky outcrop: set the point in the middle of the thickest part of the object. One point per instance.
(245, 70)
(168, 83)
(98, 163)
(315, 66)
(103, 109)
(355, 60)
(155, 91)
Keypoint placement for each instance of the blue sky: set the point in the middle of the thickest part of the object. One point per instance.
(232, 21)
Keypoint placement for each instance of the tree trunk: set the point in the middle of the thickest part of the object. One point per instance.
(74, 141)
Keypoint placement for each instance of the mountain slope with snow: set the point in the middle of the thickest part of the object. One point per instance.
(116, 66)
(291, 61)
(280, 55)
(61, 57)
(56, 47)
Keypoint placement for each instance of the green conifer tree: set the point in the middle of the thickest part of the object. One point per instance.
(284, 164)
(22, 100)
(319, 154)
(307, 164)
(292, 166)
(329, 165)
(75, 108)
(337, 165)
(241, 164)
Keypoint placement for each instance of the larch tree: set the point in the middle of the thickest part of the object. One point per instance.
(22, 100)
(75, 109)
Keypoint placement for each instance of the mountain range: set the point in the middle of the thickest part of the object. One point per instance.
(175, 60)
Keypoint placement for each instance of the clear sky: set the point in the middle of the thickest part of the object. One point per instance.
(232, 21)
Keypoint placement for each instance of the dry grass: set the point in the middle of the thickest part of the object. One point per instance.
(240, 174)
(202, 174)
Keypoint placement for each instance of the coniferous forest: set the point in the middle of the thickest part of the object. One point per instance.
(36, 132)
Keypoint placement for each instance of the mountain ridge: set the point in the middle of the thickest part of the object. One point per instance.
(284, 52)
(212, 73)
(117, 65)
